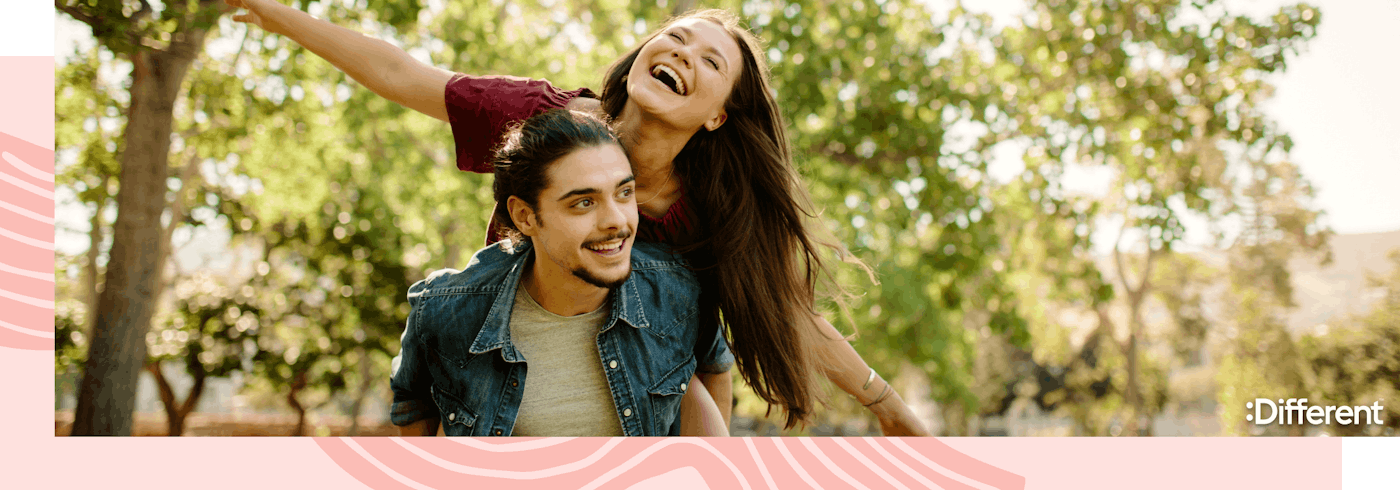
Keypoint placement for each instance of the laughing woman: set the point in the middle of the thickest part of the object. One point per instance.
(715, 179)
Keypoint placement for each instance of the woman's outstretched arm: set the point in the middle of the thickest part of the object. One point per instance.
(850, 373)
(379, 66)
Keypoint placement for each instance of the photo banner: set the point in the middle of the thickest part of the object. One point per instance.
(35, 458)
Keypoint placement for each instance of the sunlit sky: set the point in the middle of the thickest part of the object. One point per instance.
(1341, 103)
(1338, 100)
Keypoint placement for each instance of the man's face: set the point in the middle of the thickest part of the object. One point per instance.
(585, 218)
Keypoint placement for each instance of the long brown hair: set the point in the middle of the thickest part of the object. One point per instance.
(757, 260)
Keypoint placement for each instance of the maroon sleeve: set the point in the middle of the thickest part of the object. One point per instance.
(480, 109)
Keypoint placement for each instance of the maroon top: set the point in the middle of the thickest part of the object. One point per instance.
(481, 108)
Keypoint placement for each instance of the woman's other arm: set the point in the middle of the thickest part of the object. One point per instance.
(379, 66)
(700, 416)
(850, 373)
(721, 389)
(425, 427)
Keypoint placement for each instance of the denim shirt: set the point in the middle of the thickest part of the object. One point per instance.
(458, 363)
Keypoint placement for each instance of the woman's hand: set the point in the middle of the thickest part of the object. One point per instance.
(381, 67)
(256, 11)
(897, 419)
(850, 373)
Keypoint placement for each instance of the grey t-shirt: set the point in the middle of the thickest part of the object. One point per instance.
(566, 393)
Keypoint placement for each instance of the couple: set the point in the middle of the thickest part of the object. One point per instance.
(714, 180)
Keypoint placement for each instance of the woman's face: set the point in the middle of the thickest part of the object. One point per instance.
(685, 74)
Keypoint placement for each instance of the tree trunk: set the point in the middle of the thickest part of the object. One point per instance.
(365, 385)
(107, 394)
(176, 412)
(179, 209)
(300, 429)
(1136, 297)
(1134, 393)
(91, 274)
(298, 383)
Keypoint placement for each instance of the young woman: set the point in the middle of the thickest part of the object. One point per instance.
(715, 178)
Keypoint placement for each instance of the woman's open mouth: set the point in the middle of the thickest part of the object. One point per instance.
(669, 77)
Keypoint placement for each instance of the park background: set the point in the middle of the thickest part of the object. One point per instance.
(1088, 218)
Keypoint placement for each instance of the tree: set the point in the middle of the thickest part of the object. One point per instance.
(212, 332)
(871, 95)
(1157, 92)
(1262, 356)
(335, 313)
(206, 122)
(1356, 361)
(86, 119)
(160, 45)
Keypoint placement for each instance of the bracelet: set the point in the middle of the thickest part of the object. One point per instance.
(883, 395)
(868, 380)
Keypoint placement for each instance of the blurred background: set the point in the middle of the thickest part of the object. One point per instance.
(1088, 217)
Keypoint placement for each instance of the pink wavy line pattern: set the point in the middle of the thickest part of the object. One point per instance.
(673, 463)
(26, 244)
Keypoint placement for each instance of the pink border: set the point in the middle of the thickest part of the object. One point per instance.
(38, 459)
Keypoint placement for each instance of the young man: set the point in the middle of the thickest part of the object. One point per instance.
(570, 329)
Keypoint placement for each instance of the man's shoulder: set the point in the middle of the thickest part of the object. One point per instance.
(655, 256)
(660, 266)
(485, 272)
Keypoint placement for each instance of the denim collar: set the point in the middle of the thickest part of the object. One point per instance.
(495, 331)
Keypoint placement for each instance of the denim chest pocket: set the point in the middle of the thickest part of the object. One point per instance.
(456, 419)
(667, 392)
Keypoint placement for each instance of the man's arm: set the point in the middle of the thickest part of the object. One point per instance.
(412, 408)
(425, 427)
(379, 66)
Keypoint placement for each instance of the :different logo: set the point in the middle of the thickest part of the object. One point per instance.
(1296, 411)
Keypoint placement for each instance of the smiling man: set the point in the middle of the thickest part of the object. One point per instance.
(567, 328)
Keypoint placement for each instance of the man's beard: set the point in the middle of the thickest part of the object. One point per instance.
(590, 278)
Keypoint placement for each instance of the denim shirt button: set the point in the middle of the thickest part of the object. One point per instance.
(683, 386)
(613, 364)
(514, 383)
(626, 412)
(498, 432)
(451, 417)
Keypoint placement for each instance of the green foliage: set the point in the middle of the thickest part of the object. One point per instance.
(1161, 96)
(1181, 282)
(895, 112)
(1356, 361)
(70, 343)
(213, 328)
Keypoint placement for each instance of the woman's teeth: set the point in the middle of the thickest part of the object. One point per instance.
(677, 85)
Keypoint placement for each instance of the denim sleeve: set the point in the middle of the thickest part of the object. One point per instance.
(410, 378)
(718, 359)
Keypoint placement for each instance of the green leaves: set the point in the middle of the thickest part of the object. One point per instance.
(897, 114)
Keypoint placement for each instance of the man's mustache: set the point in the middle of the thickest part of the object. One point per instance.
(623, 234)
